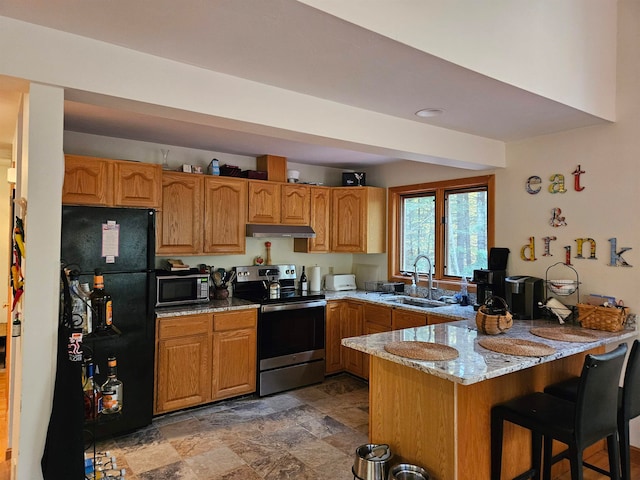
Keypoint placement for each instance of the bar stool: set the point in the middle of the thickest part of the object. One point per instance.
(628, 406)
(578, 424)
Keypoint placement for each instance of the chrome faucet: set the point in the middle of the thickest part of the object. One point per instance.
(429, 276)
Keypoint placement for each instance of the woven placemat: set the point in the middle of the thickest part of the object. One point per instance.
(422, 350)
(563, 334)
(516, 346)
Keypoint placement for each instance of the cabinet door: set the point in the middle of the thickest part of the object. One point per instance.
(406, 319)
(179, 221)
(348, 220)
(333, 334)
(370, 329)
(234, 354)
(295, 207)
(379, 314)
(225, 215)
(87, 181)
(234, 363)
(264, 202)
(352, 326)
(137, 184)
(183, 374)
(432, 319)
(319, 220)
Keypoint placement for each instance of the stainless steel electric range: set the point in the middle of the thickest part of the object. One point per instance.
(291, 327)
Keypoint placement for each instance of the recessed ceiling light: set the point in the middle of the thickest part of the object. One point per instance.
(429, 112)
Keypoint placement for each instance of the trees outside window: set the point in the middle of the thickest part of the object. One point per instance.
(451, 222)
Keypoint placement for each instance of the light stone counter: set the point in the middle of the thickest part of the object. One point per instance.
(475, 363)
(214, 306)
(454, 311)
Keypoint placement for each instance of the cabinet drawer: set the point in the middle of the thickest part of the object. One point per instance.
(377, 314)
(183, 326)
(235, 320)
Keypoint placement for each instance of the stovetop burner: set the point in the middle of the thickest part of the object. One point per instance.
(252, 282)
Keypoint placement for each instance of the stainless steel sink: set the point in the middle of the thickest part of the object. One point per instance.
(418, 302)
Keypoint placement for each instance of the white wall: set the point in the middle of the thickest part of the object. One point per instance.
(605, 209)
(563, 50)
(40, 183)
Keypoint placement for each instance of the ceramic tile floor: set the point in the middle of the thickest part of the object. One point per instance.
(305, 434)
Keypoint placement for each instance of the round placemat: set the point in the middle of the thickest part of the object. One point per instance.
(563, 334)
(422, 350)
(517, 346)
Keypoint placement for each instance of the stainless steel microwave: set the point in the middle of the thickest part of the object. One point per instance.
(176, 289)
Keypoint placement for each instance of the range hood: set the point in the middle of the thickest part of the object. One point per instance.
(294, 231)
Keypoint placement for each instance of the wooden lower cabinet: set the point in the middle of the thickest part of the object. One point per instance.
(352, 326)
(433, 318)
(205, 357)
(234, 354)
(182, 362)
(350, 318)
(401, 319)
(333, 336)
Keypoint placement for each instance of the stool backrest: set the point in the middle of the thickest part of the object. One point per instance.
(631, 388)
(597, 398)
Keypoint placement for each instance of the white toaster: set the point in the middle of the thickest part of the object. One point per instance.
(339, 282)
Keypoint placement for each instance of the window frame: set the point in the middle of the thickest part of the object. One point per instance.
(439, 188)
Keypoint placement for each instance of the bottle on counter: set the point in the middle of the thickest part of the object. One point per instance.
(464, 294)
(304, 283)
(101, 304)
(112, 389)
(92, 394)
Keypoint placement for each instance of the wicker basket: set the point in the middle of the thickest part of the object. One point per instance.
(610, 319)
(493, 324)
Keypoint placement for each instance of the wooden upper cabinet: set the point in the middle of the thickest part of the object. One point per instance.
(225, 214)
(319, 221)
(179, 221)
(358, 220)
(295, 204)
(87, 181)
(264, 202)
(137, 184)
(111, 183)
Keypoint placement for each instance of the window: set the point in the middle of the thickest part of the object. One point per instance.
(450, 222)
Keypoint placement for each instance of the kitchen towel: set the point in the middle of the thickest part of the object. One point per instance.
(315, 280)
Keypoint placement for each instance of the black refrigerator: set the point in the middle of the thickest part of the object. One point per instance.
(121, 243)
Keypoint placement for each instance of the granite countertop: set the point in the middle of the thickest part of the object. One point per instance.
(213, 306)
(475, 363)
(454, 310)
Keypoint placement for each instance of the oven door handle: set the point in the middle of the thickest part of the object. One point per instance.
(293, 306)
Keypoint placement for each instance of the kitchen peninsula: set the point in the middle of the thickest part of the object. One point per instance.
(436, 414)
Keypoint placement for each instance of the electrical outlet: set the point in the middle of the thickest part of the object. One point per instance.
(330, 270)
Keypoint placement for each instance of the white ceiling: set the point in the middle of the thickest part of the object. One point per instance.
(290, 45)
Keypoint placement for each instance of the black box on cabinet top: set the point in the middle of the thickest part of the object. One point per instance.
(354, 179)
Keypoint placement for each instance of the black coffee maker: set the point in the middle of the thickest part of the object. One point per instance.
(490, 281)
